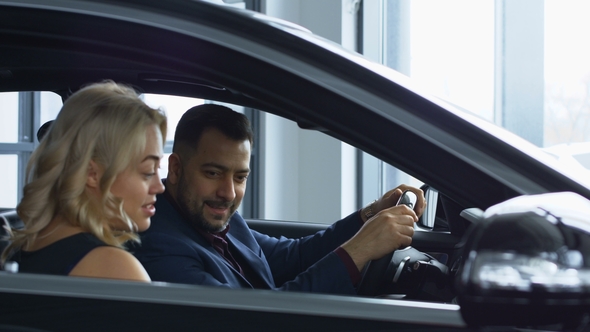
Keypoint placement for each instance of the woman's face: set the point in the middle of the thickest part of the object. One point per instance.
(138, 185)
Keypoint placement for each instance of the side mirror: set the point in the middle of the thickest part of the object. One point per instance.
(527, 263)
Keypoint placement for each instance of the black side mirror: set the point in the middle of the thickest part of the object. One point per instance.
(527, 263)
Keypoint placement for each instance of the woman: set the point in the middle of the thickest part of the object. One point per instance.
(91, 185)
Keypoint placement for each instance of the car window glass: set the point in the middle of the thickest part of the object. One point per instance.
(8, 171)
(174, 107)
(50, 105)
(287, 152)
(378, 179)
(9, 123)
(22, 114)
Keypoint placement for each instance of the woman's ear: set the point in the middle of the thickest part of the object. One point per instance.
(174, 169)
(93, 176)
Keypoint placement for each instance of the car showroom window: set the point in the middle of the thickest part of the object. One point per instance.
(23, 114)
(520, 64)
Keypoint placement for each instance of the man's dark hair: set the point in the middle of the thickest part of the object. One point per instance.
(196, 120)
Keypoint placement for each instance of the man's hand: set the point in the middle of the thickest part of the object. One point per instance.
(391, 197)
(387, 231)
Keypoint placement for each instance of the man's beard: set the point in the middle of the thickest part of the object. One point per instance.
(194, 212)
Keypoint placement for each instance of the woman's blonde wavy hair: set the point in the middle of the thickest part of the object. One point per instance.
(103, 122)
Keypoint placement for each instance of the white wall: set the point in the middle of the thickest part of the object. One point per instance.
(308, 175)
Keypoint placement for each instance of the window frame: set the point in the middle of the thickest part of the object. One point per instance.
(29, 119)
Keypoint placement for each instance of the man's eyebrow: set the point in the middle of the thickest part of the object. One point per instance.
(224, 168)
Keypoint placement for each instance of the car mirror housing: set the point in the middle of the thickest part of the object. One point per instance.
(527, 263)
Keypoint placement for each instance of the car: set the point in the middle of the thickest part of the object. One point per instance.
(474, 176)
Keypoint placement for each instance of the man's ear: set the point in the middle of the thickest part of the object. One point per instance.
(174, 169)
(93, 177)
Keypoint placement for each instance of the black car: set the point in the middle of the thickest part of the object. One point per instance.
(502, 246)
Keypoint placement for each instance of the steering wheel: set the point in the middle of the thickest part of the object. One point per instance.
(374, 280)
(404, 271)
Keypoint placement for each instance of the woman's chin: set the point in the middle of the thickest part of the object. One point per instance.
(142, 225)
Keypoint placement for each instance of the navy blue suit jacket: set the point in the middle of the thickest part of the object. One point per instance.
(172, 251)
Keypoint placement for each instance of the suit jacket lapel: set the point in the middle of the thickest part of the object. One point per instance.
(188, 230)
(257, 265)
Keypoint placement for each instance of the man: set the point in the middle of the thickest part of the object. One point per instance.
(197, 237)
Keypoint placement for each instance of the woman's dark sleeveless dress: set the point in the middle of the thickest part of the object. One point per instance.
(59, 257)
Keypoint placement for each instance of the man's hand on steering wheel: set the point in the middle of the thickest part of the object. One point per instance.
(391, 227)
(390, 198)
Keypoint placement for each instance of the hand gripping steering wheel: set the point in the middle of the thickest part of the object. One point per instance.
(376, 277)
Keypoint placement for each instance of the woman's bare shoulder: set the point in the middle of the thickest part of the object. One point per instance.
(112, 263)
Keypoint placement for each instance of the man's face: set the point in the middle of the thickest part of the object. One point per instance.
(212, 182)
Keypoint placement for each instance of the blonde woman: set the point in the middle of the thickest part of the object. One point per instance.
(91, 185)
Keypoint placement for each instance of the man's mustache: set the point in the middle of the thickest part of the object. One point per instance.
(219, 204)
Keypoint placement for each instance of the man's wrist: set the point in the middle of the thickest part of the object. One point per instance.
(368, 211)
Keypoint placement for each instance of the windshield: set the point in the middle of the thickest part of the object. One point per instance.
(521, 66)
(538, 89)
